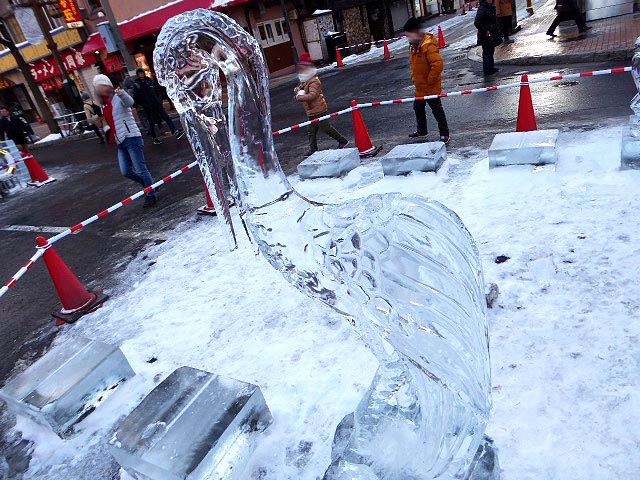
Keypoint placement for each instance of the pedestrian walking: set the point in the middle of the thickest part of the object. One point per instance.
(504, 11)
(12, 128)
(95, 119)
(489, 34)
(117, 111)
(309, 93)
(146, 95)
(567, 10)
(427, 66)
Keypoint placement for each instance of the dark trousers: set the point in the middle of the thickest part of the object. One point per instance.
(574, 15)
(155, 116)
(98, 132)
(487, 59)
(420, 107)
(327, 128)
(505, 25)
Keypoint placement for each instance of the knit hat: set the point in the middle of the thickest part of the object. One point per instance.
(102, 80)
(305, 59)
(412, 25)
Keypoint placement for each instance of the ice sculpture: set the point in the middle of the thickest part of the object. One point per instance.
(403, 270)
(631, 135)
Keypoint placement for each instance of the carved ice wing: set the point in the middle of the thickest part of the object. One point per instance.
(414, 269)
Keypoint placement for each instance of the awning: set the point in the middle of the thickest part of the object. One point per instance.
(93, 44)
(153, 20)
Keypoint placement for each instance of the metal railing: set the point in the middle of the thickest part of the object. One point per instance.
(72, 123)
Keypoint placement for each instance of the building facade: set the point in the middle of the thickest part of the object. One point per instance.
(274, 23)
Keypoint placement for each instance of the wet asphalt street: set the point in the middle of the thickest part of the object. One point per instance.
(89, 180)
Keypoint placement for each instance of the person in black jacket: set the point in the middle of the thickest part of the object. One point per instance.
(489, 34)
(567, 10)
(145, 94)
(12, 128)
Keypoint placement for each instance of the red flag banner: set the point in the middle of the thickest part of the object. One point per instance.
(71, 13)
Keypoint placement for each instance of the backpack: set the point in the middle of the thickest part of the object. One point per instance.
(96, 110)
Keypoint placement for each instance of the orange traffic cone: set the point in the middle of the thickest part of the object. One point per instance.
(526, 115)
(38, 176)
(387, 53)
(441, 41)
(464, 9)
(339, 58)
(363, 140)
(209, 208)
(76, 299)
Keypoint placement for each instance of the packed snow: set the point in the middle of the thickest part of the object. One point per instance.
(564, 330)
(50, 138)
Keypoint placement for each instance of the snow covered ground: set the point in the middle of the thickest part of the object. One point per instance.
(564, 331)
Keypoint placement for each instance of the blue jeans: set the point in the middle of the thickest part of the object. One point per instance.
(133, 164)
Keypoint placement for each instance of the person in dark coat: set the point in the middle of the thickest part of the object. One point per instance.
(145, 94)
(567, 10)
(489, 34)
(12, 128)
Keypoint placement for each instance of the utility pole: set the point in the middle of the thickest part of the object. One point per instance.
(38, 10)
(45, 112)
(294, 50)
(117, 36)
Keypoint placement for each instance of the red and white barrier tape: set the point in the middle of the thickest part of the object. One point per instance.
(16, 161)
(371, 43)
(12, 281)
(459, 93)
(121, 204)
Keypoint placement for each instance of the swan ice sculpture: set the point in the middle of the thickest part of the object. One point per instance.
(403, 270)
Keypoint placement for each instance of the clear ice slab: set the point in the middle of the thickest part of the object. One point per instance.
(67, 384)
(524, 148)
(423, 157)
(630, 154)
(329, 163)
(194, 425)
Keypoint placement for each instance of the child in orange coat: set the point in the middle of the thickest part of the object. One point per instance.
(426, 72)
(309, 93)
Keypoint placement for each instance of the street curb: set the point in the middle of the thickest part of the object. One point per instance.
(603, 56)
(84, 136)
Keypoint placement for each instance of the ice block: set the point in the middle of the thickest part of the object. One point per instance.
(194, 425)
(423, 157)
(524, 148)
(630, 158)
(329, 163)
(67, 384)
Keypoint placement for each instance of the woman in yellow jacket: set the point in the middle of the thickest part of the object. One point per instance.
(426, 72)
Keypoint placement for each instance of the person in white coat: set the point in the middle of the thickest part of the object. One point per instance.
(117, 111)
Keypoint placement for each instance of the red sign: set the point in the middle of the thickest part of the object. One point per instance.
(71, 13)
(55, 83)
(112, 64)
(48, 68)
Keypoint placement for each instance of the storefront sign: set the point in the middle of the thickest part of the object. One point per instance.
(112, 64)
(55, 83)
(6, 83)
(48, 68)
(64, 39)
(71, 13)
(29, 25)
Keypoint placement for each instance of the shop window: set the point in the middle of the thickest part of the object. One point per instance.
(273, 32)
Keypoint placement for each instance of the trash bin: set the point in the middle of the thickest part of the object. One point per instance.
(335, 40)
